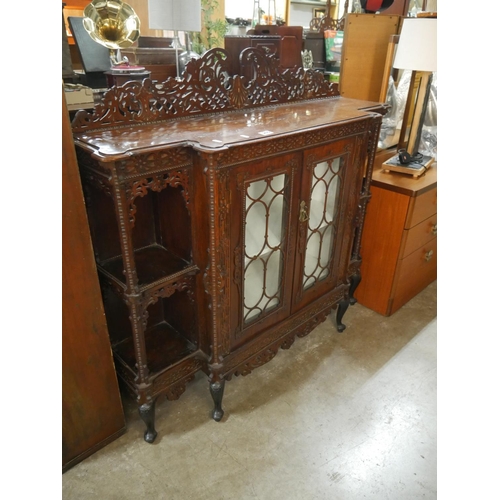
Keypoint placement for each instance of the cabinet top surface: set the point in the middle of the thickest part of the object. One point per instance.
(217, 131)
(211, 111)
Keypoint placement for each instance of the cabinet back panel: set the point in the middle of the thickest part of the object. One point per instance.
(179, 312)
(117, 316)
(162, 218)
(103, 224)
(144, 231)
(174, 222)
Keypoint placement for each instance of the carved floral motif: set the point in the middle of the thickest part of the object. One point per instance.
(173, 382)
(156, 161)
(299, 325)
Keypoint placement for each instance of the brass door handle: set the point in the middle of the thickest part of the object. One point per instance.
(428, 255)
(434, 229)
(303, 212)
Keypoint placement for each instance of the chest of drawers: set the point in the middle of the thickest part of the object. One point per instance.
(399, 243)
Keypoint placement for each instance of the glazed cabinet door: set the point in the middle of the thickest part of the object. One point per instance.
(263, 241)
(331, 175)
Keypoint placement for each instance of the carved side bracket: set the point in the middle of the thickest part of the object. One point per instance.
(156, 183)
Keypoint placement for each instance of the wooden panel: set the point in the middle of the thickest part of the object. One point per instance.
(160, 72)
(418, 235)
(421, 207)
(92, 410)
(234, 45)
(414, 274)
(366, 38)
(291, 46)
(380, 244)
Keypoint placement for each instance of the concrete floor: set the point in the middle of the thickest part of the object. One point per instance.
(338, 416)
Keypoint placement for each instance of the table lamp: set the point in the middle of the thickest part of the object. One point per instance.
(417, 51)
(175, 15)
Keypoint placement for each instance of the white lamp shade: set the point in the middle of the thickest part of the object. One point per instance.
(417, 47)
(175, 15)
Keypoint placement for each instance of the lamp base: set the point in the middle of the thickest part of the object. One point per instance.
(415, 168)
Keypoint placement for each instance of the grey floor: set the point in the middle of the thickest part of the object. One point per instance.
(337, 416)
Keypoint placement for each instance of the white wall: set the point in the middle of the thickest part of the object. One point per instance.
(244, 8)
(301, 14)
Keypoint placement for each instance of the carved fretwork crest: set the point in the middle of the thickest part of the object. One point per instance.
(206, 87)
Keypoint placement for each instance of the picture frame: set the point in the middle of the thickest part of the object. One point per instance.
(319, 12)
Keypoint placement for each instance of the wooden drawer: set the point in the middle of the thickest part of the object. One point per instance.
(414, 273)
(419, 235)
(421, 207)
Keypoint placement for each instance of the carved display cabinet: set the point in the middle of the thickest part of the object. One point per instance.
(226, 215)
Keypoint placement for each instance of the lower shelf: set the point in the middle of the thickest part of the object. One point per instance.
(153, 263)
(164, 345)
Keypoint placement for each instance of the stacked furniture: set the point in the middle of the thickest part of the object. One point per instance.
(284, 42)
(226, 215)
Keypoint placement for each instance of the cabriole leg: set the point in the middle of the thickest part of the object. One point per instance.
(147, 413)
(217, 391)
(355, 281)
(341, 309)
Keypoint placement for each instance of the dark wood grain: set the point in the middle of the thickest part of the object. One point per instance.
(174, 162)
(92, 409)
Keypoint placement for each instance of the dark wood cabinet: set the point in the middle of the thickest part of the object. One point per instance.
(226, 213)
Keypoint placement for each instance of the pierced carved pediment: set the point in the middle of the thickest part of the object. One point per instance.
(206, 87)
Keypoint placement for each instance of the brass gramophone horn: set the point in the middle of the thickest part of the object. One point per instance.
(111, 23)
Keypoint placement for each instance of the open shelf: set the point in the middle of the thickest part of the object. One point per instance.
(164, 346)
(153, 263)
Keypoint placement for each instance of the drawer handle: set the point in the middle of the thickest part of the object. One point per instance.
(434, 229)
(428, 255)
(303, 212)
